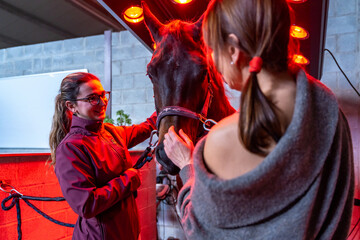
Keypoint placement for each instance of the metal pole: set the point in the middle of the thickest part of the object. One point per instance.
(107, 64)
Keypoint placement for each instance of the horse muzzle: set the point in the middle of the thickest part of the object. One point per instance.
(165, 162)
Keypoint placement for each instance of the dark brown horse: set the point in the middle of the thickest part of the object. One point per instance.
(186, 87)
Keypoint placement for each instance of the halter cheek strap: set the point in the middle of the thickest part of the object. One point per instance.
(255, 65)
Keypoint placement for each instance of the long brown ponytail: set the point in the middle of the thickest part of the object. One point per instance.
(262, 28)
(258, 122)
(60, 126)
(61, 122)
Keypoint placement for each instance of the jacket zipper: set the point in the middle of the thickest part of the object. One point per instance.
(118, 154)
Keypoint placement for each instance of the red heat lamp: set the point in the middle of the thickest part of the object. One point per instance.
(134, 14)
(182, 1)
(296, 1)
(300, 59)
(301, 34)
(298, 32)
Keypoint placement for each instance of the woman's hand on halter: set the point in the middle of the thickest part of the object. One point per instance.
(178, 148)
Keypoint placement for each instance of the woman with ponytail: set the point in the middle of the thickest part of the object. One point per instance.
(92, 161)
(282, 166)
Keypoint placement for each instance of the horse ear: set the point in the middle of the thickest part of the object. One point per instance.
(199, 22)
(151, 22)
(197, 27)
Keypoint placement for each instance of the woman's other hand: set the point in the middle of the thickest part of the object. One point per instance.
(178, 148)
(134, 176)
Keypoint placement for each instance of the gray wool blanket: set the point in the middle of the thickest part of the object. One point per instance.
(303, 189)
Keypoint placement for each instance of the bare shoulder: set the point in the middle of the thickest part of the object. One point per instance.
(221, 137)
(224, 154)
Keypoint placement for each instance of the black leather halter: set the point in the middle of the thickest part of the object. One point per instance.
(184, 112)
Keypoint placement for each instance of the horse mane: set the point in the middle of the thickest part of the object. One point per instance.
(179, 29)
(215, 76)
(179, 34)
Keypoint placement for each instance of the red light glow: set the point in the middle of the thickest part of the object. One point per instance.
(134, 14)
(300, 59)
(296, 1)
(298, 32)
(182, 1)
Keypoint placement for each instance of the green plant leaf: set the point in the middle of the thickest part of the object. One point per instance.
(122, 119)
(108, 120)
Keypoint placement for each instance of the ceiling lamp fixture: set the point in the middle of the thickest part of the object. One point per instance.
(182, 1)
(300, 59)
(298, 32)
(134, 14)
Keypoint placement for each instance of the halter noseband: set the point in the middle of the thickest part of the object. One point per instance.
(184, 112)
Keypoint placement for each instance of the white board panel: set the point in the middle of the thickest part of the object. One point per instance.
(27, 107)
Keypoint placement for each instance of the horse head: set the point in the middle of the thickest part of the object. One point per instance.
(183, 85)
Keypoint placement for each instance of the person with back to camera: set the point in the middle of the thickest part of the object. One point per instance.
(93, 164)
(281, 167)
